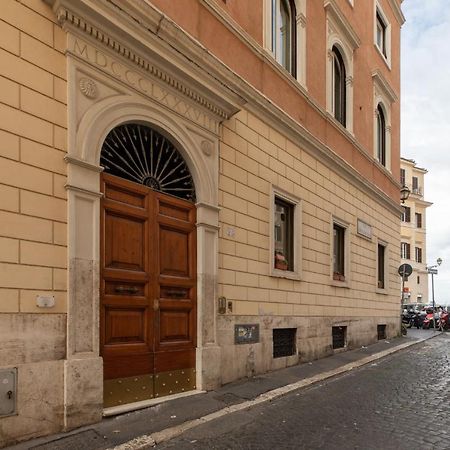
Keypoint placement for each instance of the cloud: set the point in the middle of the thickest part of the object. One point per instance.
(426, 120)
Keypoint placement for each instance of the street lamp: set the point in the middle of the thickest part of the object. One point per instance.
(404, 193)
(433, 271)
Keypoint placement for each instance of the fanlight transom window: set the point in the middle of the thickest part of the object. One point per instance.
(141, 154)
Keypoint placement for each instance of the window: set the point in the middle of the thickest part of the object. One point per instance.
(402, 177)
(283, 342)
(283, 33)
(283, 235)
(406, 214)
(418, 254)
(381, 266)
(384, 97)
(338, 252)
(381, 34)
(418, 220)
(415, 185)
(418, 279)
(339, 87)
(342, 42)
(381, 136)
(405, 250)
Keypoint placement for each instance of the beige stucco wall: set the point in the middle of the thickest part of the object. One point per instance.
(255, 157)
(32, 213)
(32, 169)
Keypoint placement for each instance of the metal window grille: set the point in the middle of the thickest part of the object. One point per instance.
(381, 331)
(284, 342)
(339, 335)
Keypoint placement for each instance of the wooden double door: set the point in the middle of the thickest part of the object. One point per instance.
(148, 292)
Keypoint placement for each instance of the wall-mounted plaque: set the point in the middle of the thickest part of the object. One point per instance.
(246, 333)
(364, 229)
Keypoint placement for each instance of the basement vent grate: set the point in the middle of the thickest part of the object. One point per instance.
(284, 342)
(381, 331)
(339, 335)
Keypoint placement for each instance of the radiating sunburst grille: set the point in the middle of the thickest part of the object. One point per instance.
(140, 154)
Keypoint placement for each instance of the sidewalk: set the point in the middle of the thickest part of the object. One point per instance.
(142, 429)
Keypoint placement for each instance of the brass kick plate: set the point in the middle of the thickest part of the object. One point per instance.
(174, 382)
(122, 391)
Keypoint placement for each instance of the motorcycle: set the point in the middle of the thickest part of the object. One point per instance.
(409, 318)
(444, 321)
(430, 320)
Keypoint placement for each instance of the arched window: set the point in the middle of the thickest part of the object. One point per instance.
(141, 154)
(339, 87)
(381, 135)
(284, 33)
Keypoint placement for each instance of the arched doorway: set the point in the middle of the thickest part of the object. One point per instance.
(148, 285)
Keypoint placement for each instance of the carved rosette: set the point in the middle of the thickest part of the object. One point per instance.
(207, 148)
(88, 88)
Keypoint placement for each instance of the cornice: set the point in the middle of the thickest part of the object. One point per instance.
(139, 22)
(382, 84)
(69, 16)
(341, 21)
(397, 10)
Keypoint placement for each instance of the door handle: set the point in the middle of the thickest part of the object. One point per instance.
(127, 289)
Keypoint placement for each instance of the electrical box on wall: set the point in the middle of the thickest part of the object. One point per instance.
(8, 392)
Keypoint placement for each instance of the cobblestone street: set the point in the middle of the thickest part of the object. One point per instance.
(400, 402)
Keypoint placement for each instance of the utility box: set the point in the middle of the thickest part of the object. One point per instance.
(8, 392)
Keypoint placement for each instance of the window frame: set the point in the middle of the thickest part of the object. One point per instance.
(296, 233)
(381, 135)
(405, 250)
(339, 87)
(341, 35)
(418, 253)
(382, 287)
(272, 37)
(406, 214)
(419, 220)
(339, 279)
(402, 176)
(385, 49)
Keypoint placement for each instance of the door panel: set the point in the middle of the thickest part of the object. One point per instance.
(148, 292)
(125, 242)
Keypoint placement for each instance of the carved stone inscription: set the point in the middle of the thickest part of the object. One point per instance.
(134, 79)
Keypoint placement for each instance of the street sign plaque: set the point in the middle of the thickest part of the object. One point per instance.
(433, 271)
(405, 270)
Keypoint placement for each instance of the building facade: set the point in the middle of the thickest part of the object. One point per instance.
(413, 246)
(190, 192)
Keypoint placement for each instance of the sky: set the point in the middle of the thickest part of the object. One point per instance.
(425, 126)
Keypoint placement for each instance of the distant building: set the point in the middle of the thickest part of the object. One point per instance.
(413, 232)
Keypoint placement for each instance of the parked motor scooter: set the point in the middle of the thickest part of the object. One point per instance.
(428, 322)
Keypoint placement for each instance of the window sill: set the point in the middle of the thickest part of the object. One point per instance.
(381, 291)
(290, 275)
(385, 59)
(340, 284)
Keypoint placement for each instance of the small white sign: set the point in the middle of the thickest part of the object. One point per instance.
(364, 229)
(45, 301)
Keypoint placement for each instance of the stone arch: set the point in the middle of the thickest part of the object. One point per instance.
(112, 112)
